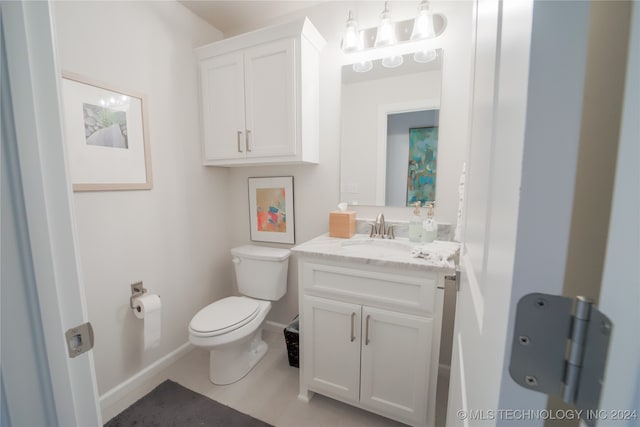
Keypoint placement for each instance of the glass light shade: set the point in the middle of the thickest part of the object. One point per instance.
(385, 36)
(362, 67)
(350, 38)
(423, 24)
(425, 56)
(392, 61)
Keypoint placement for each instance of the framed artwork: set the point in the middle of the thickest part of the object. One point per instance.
(107, 136)
(421, 170)
(271, 209)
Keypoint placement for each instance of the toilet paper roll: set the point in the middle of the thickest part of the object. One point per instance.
(147, 307)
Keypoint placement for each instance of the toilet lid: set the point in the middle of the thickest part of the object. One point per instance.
(224, 315)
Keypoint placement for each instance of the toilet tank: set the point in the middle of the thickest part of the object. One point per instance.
(261, 271)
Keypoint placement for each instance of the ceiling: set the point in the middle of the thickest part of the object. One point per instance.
(233, 17)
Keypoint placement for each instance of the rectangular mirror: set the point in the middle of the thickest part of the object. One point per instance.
(390, 124)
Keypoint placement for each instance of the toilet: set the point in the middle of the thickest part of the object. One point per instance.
(231, 328)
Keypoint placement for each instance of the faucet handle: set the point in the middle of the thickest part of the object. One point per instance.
(374, 230)
(391, 234)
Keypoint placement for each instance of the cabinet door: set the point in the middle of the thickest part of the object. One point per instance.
(395, 363)
(331, 342)
(222, 79)
(270, 99)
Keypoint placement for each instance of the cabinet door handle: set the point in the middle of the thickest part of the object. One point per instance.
(247, 142)
(366, 333)
(239, 146)
(353, 327)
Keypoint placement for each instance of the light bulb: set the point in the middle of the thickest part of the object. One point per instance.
(425, 56)
(350, 38)
(392, 61)
(385, 36)
(362, 67)
(423, 24)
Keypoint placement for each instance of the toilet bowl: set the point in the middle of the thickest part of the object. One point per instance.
(231, 328)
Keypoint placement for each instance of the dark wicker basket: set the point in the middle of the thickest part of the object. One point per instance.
(292, 338)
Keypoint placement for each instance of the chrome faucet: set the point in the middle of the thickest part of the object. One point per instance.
(379, 230)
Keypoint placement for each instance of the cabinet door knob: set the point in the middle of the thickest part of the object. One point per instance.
(239, 146)
(353, 327)
(366, 333)
(247, 141)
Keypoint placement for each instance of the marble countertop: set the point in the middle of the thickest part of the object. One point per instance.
(362, 249)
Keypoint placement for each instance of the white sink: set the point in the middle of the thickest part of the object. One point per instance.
(377, 248)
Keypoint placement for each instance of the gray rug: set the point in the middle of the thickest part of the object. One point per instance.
(170, 404)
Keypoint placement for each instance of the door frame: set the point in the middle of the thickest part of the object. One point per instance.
(620, 294)
(34, 79)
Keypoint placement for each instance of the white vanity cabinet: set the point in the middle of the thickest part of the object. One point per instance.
(370, 336)
(259, 97)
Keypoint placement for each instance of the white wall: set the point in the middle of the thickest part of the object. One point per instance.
(173, 237)
(317, 187)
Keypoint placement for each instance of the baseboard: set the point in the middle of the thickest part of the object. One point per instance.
(274, 326)
(125, 387)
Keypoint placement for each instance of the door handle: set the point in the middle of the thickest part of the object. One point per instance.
(353, 327)
(247, 141)
(239, 146)
(366, 333)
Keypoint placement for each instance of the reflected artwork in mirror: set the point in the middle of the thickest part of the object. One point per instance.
(421, 170)
(411, 156)
(379, 109)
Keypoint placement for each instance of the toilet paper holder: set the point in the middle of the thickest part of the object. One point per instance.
(137, 290)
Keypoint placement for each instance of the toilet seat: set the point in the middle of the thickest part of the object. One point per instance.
(223, 316)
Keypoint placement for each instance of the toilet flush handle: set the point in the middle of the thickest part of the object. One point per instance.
(235, 260)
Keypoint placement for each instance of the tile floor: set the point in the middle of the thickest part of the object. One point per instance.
(269, 392)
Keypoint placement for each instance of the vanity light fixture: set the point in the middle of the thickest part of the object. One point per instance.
(423, 24)
(360, 41)
(386, 35)
(423, 29)
(353, 41)
(351, 36)
(364, 66)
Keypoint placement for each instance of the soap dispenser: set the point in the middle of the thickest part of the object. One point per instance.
(429, 226)
(415, 225)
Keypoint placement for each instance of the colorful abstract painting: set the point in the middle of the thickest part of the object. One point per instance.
(421, 171)
(271, 209)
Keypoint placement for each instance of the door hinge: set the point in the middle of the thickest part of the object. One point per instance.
(560, 348)
(79, 339)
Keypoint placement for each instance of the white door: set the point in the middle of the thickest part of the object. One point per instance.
(332, 347)
(271, 99)
(223, 118)
(41, 292)
(396, 362)
(526, 122)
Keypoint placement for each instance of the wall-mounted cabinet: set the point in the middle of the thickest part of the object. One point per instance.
(260, 97)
